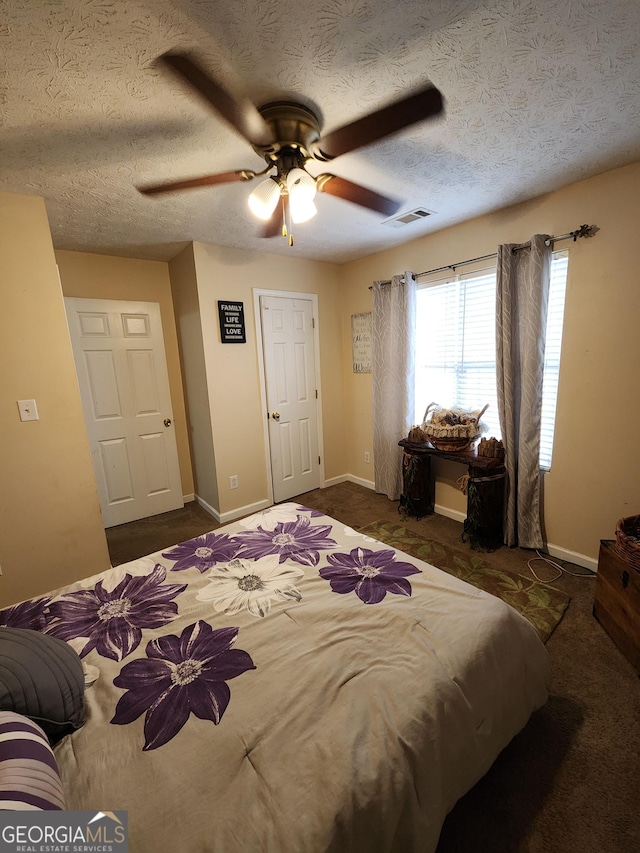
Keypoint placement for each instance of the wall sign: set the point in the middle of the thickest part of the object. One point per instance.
(361, 339)
(232, 329)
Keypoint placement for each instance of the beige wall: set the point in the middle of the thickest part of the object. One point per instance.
(596, 467)
(106, 277)
(232, 371)
(50, 524)
(595, 476)
(184, 286)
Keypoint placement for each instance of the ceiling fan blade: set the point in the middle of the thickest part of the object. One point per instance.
(417, 107)
(357, 194)
(239, 112)
(194, 183)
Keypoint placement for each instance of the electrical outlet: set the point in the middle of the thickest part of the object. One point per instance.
(233, 481)
(367, 457)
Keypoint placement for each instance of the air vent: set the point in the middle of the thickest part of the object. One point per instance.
(408, 217)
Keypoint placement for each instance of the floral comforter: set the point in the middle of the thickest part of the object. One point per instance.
(285, 684)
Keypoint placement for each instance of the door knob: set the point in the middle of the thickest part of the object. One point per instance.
(167, 422)
(275, 416)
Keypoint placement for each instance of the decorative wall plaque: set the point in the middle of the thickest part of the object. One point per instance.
(361, 338)
(232, 330)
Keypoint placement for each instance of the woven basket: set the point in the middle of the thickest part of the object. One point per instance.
(454, 441)
(628, 540)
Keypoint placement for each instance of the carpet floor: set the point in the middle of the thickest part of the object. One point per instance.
(570, 781)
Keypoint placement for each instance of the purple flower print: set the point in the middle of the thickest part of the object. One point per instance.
(28, 614)
(296, 540)
(370, 574)
(180, 675)
(112, 621)
(314, 513)
(203, 552)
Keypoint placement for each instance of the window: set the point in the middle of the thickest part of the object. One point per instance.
(456, 349)
(555, 317)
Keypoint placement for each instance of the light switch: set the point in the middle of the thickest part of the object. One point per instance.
(28, 410)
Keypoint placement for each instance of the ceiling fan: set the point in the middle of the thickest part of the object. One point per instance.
(286, 134)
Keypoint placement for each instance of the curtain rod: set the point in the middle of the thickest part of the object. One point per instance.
(582, 231)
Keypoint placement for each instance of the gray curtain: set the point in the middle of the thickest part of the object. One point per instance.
(521, 320)
(392, 373)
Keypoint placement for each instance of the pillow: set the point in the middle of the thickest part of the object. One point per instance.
(29, 777)
(41, 677)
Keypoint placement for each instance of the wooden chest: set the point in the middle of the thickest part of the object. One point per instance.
(616, 603)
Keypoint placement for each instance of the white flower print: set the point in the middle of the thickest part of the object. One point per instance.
(269, 518)
(349, 531)
(251, 584)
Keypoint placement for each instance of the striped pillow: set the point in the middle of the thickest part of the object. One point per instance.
(29, 777)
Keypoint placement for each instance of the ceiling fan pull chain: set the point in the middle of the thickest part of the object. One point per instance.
(286, 218)
(289, 218)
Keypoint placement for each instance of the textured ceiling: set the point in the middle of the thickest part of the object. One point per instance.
(539, 94)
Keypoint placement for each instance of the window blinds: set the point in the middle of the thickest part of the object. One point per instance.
(456, 351)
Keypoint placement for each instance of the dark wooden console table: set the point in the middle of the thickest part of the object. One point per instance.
(485, 489)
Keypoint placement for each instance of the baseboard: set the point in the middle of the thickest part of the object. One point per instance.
(188, 498)
(242, 511)
(232, 514)
(572, 557)
(455, 514)
(333, 481)
(208, 508)
(553, 550)
(351, 478)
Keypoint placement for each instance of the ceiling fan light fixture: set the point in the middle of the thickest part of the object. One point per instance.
(300, 183)
(302, 189)
(264, 199)
(302, 209)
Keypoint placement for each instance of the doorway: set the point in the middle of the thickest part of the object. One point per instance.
(288, 353)
(119, 353)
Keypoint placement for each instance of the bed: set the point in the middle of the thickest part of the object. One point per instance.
(285, 683)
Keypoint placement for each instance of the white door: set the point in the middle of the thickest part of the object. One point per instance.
(289, 364)
(122, 372)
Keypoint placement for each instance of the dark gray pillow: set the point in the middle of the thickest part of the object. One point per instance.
(41, 677)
